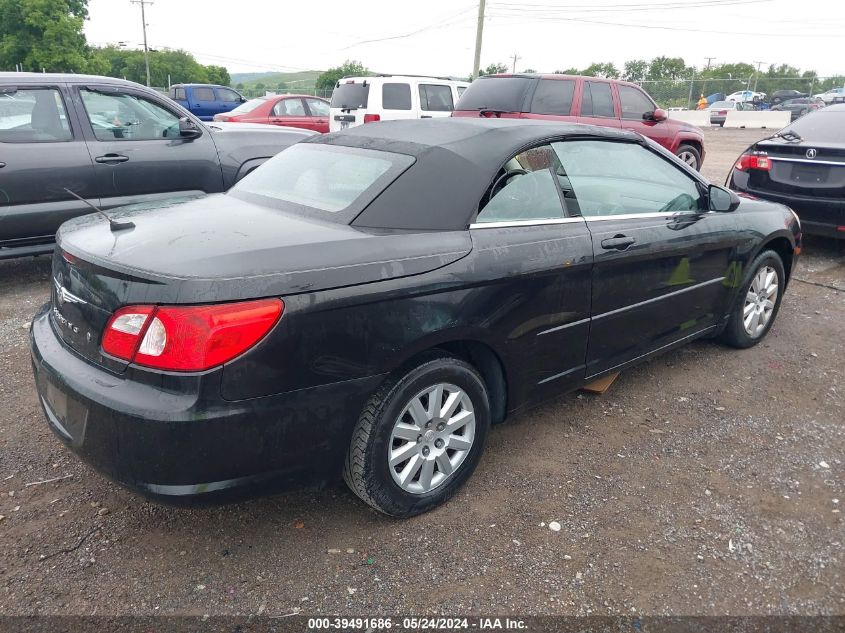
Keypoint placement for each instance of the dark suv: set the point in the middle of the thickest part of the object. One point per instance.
(113, 142)
(604, 102)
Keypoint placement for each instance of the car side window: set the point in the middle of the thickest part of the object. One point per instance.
(289, 107)
(634, 103)
(228, 96)
(617, 178)
(597, 100)
(318, 108)
(553, 96)
(524, 189)
(35, 115)
(178, 93)
(436, 98)
(203, 94)
(396, 96)
(121, 116)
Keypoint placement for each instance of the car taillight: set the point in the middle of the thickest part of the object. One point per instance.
(721, 112)
(753, 161)
(189, 338)
(372, 118)
(222, 118)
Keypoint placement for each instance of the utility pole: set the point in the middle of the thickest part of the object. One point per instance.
(757, 75)
(709, 59)
(143, 4)
(476, 65)
(515, 57)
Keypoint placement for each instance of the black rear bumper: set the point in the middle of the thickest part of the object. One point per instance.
(180, 440)
(819, 216)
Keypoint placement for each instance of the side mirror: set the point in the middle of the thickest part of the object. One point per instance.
(657, 115)
(722, 199)
(188, 129)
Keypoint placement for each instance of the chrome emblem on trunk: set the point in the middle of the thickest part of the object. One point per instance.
(811, 153)
(63, 295)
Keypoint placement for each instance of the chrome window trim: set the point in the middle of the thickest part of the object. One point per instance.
(518, 223)
(632, 216)
(809, 162)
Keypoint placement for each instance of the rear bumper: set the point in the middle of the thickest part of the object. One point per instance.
(187, 443)
(819, 216)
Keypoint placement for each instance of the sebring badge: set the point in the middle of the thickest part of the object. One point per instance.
(811, 153)
(62, 294)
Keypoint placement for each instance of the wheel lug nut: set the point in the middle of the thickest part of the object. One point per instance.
(428, 425)
(441, 426)
(419, 439)
(438, 443)
(426, 451)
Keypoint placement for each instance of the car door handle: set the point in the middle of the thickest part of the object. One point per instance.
(111, 158)
(618, 242)
(2, 165)
(425, 116)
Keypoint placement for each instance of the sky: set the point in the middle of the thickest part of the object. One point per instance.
(437, 37)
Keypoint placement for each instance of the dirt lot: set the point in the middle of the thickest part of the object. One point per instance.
(709, 481)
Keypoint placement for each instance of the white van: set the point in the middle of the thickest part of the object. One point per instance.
(358, 100)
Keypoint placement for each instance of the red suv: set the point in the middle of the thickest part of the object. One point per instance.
(581, 100)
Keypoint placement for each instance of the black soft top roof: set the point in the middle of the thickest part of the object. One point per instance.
(456, 160)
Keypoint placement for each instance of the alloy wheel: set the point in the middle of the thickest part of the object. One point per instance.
(760, 301)
(431, 438)
(689, 158)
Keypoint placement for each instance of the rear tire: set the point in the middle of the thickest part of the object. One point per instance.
(757, 303)
(690, 155)
(419, 437)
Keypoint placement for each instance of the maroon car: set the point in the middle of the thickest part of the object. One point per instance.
(302, 111)
(592, 100)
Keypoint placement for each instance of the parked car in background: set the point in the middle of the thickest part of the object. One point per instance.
(780, 96)
(746, 95)
(359, 100)
(719, 110)
(802, 166)
(302, 111)
(799, 107)
(205, 100)
(370, 302)
(832, 95)
(591, 100)
(113, 142)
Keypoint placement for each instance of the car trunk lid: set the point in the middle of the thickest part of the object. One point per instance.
(220, 248)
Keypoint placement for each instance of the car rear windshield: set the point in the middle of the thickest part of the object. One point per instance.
(724, 104)
(350, 96)
(495, 93)
(821, 125)
(248, 106)
(325, 180)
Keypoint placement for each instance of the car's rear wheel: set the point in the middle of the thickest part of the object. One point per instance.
(419, 437)
(758, 301)
(690, 155)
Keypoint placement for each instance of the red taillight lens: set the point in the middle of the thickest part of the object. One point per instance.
(753, 161)
(722, 112)
(189, 338)
(372, 118)
(125, 330)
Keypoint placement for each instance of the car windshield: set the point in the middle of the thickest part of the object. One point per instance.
(248, 106)
(350, 96)
(495, 93)
(821, 125)
(327, 179)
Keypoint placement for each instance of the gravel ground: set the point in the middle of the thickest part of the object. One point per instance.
(708, 481)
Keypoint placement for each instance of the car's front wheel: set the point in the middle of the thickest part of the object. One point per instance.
(419, 437)
(758, 301)
(690, 155)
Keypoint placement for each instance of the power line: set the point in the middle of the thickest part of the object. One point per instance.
(443, 23)
(640, 6)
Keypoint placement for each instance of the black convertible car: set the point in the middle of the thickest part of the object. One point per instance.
(803, 165)
(371, 301)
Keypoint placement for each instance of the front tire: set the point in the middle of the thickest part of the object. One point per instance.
(757, 303)
(690, 155)
(419, 438)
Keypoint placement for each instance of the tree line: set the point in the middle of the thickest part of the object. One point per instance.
(47, 35)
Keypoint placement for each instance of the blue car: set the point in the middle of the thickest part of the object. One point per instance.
(206, 100)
